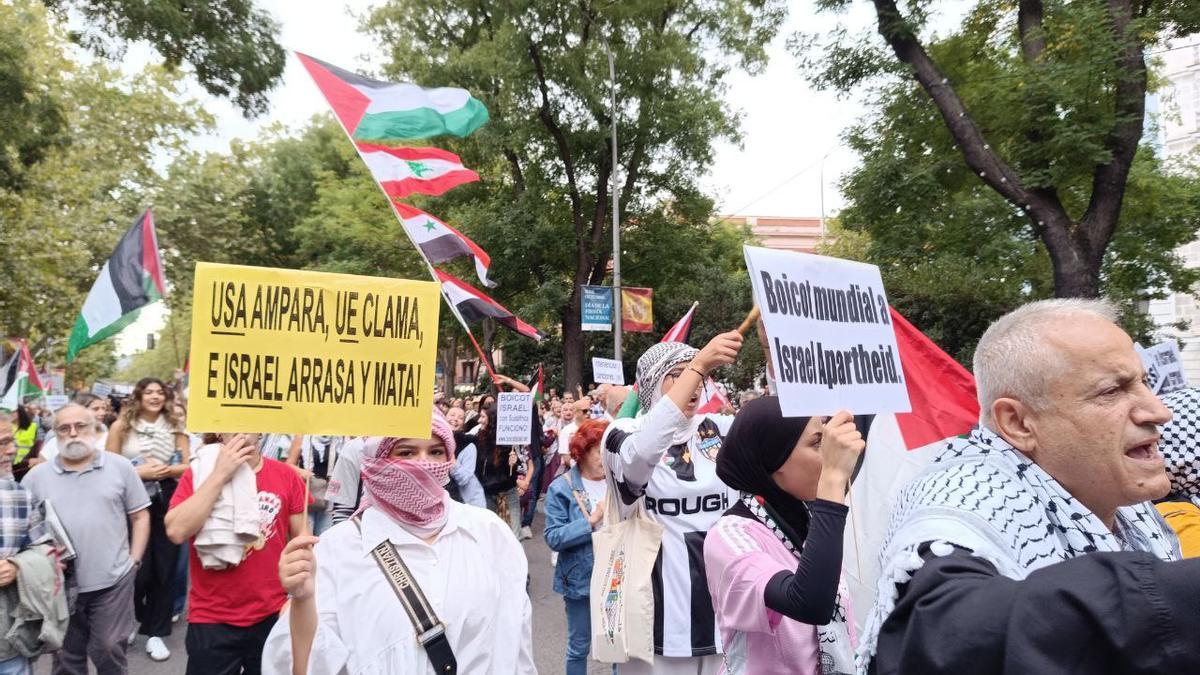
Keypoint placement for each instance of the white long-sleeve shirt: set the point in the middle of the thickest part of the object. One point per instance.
(473, 574)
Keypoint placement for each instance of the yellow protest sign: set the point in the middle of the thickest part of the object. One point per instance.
(285, 351)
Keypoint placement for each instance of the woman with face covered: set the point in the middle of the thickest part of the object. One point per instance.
(774, 559)
(668, 455)
(345, 615)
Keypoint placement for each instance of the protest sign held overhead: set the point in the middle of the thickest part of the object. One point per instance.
(1164, 367)
(514, 413)
(829, 332)
(286, 351)
(607, 370)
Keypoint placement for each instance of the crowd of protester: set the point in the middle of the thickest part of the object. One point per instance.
(1048, 540)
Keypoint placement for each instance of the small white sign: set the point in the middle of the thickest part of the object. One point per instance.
(56, 401)
(1164, 366)
(102, 389)
(607, 370)
(830, 334)
(514, 413)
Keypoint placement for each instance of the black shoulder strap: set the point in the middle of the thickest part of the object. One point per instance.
(431, 632)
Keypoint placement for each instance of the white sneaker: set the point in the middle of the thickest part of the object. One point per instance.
(157, 649)
(132, 637)
(526, 533)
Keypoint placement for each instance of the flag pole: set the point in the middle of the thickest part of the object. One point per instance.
(616, 218)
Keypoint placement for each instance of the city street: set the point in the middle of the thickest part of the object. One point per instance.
(549, 624)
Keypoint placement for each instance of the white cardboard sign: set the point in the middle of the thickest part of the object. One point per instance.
(514, 412)
(57, 401)
(607, 370)
(1164, 366)
(830, 335)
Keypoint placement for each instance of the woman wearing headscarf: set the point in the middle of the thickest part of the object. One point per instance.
(345, 614)
(774, 559)
(668, 455)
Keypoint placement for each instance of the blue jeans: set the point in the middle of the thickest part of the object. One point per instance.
(18, 665)
(579, 635)
(319, 521)
(181, 581)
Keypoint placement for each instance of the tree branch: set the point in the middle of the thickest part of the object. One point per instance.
(514, 163)
(1129, 104)
(1044, 206)
(560, 139)
(1029, 28)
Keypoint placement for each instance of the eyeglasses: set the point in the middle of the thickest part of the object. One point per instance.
(66, 429)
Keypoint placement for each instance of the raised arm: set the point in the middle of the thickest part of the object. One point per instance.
(185, 519)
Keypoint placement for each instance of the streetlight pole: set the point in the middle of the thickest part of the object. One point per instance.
(616, 218)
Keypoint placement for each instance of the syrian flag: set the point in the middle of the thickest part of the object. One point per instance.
(131, 279)
(538, 385)
(20, 378)
(472, 306)
(682, 329)
(440, 242)
(944, 405)
(405, 171)
(373, 110)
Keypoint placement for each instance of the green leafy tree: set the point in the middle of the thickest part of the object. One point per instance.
(231, 47)
(75, 201)
(1018, 131)
(542, 209)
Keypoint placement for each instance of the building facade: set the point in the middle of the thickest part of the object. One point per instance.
(782, 232)
(1180, 126)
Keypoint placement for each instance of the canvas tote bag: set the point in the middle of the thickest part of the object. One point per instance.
(622, 597)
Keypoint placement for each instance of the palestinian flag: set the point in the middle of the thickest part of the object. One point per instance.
(538, 385)
(440, 242)
(131, 279)
(900, 445)
(682, 329)
(473, 306)
(20, 378)
(404, 171)
(373, 110)
(712, 399)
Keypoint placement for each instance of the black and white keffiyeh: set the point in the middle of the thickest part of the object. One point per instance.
(984, 495)
(833, 639)
(1180, 442)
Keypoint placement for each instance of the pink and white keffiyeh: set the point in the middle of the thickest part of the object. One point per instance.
(410, 491)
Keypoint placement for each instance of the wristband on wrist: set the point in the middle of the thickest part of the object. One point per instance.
(697, 371)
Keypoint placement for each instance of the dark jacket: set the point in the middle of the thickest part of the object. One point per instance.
(568, 532)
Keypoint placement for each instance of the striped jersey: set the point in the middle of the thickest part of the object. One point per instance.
(684, 494)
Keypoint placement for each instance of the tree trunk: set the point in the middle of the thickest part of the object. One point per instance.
(572, 332)
(449, 357)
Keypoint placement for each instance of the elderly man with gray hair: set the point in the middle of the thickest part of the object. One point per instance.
(1031, 545)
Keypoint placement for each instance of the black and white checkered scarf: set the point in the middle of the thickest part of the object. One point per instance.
(984, 495)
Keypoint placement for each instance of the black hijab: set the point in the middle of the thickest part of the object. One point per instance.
(759, 442)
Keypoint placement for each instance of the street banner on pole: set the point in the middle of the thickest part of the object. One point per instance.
(285, 351)
(514, 412)
(829, 332)
(596, 308)
(607, 370)
(637, 310)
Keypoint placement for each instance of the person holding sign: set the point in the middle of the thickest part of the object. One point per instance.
(774, 559)
(1031, 544)
(668, 456)
(414, 583)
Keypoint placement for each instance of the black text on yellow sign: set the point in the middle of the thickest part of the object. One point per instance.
(309, 352)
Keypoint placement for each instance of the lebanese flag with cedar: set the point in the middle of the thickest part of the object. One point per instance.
(899, 446)
(405, 171)
(473, 306)
(440, 242)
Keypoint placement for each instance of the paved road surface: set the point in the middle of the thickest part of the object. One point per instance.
(549, 625)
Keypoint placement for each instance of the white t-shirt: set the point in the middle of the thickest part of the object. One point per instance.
(595, 490)
(564, 438)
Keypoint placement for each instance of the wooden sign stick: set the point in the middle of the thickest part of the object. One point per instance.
(749, 321)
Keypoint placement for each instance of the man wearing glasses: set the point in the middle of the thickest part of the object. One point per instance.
(95, 494)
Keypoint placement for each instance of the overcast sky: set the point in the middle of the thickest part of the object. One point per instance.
(792, 133)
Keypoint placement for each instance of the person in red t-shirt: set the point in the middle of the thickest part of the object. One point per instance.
(231, 611)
